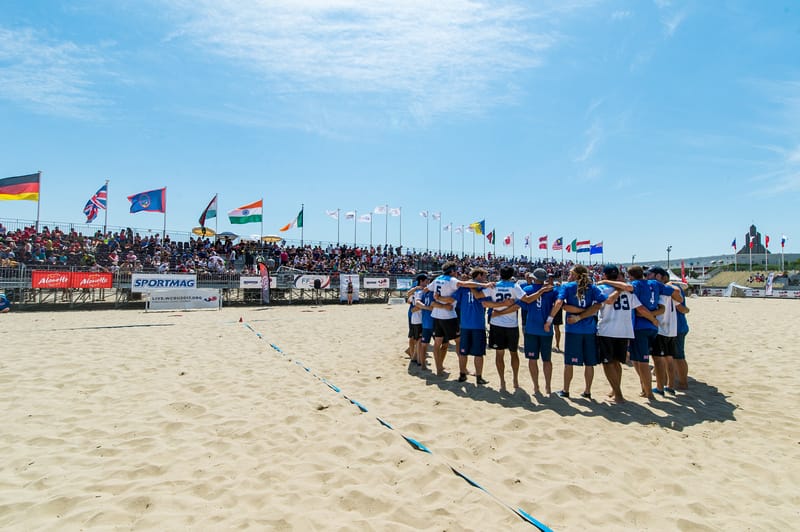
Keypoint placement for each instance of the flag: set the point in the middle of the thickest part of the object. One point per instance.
(783, 241)
(150, 201)
(394, 211)
(508, 239)
(380, 209)
(297, 222)
(447, 227)
(766, 241)
(210, 212)
(527, 241)
(95, 203)
(458, 230)
(470, 229)
(350, 215)
(596, 249)
(436, 215)
(490, 237)
(584, 246)
(424, 214)
(749, 241)
(683, 272)
(333, 214)
(478, 227)
(367, 218)
(558, 244)
(543, 242)
(734, 244)
(22, 187)
(572, 246)
(252, 212)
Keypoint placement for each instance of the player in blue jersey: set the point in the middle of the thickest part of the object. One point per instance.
(644, 330)
(472, 316)
(681, 369)
(5, 304)
(540, 305)
(581, 300)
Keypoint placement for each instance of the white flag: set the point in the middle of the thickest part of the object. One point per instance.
(528, 240)
(394, 211)
(470, 229)
(349, 215)
(380, 209)
(333, 214)
(365, 218)
(424, 214)
(458, 230)
(447, 227)
(436, 215)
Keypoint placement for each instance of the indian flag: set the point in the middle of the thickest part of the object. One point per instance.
(247, 214)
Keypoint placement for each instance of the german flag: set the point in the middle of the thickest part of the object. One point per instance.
(23, 187)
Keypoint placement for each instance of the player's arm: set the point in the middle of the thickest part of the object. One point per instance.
(683, 309)
(506, 310)
(618, 285)
(646, 314)
(585, 313)
(530, 298)
(553, 313)
(612, 298)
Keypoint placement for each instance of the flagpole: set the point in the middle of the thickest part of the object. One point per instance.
(386, 236)
(451, 238)
(513, 246)
(38, 200)
(427, 232)
(105, 221)
(216, 218)
(473, 243)
(750, 250)
(261, 240)
(302, 207)
(164, 233)
(370, 232)
(338, 224)
(440, 234)
(355, 230)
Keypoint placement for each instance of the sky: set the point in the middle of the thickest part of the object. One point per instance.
(639, 124)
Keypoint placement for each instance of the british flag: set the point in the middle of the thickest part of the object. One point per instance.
(95, 203)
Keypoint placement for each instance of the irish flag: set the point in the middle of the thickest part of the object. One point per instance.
(247, 214)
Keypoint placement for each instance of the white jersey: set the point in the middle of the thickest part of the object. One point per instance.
(668, 321)
(416, 316)
(505, 291)
(616, 320)
(444, 286)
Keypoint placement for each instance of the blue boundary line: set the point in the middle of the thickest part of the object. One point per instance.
(415, 444)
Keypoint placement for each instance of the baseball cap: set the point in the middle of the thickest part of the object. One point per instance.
(658, 270)
(611, 270)
(421, 277)
(540, 274)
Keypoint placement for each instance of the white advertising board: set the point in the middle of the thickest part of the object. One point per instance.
(147, 282)
(184, 299)
(254, 282)
(376, 282)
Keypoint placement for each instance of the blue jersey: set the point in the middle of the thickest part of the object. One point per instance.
(569, 294)
(471, 311)
(538, 311)
(427, 319)
(683, 325)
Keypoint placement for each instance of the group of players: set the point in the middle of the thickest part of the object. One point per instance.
(608, 322)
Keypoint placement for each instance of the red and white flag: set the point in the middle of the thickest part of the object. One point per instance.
(543, 242)
(508, 239)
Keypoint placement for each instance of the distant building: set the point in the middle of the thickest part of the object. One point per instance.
(755, 237)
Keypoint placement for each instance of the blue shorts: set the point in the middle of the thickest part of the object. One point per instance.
(680, 344)
(580, 349)
(640, 346)
(473, 342)
(426, 335)
(537, 345)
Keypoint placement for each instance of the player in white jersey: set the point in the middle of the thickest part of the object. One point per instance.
(615, 327)
(665, 345)
(445, 319)
(503, 326)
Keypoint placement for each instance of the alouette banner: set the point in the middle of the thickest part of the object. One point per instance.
(82, 280)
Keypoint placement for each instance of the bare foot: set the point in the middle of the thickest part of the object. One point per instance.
(536, 390)
(610, 394)
(548, 391)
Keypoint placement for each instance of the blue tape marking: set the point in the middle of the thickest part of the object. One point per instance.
(332, 387)
(307, 369)
(259, 335)
(359, 405)
(532, 520)
(385, 424)
(469, 480)
(416, 445)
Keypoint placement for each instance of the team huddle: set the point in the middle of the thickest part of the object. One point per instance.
(610, 322)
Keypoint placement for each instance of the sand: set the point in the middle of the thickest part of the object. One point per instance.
(190, 420)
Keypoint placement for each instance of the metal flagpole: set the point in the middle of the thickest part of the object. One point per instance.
(386, 237)
(401, 227)
(338, 226)
(513, 246)
(451, 238)
(355, 224)
(105, 221)
(302, 208)
(440, 233)
(216, 218)
(39, 199)
(370, 231)
(262, 221)
(427, 231)
(164, 234)
(750, 250)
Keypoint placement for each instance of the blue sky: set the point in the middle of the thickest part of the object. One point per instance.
(640, 124)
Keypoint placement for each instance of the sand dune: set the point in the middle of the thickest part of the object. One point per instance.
(125, 419)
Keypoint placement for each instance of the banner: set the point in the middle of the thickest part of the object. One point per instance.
(353, 278)
(48, 279)
(376, 282)
(254, 282)
(185, 299)
(146, 282)
(404, 283)
(768, 288)
(92, 280)
(306, 282)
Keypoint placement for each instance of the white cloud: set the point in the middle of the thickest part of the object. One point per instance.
(593, 137)
(424, 58)
(672, 22)
(48, 77)
(621, 15)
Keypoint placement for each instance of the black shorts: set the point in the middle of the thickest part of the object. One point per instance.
(415, 332)
(445, 329)
(665, 346)
(558, 319)
(612, 349)
(504, 338)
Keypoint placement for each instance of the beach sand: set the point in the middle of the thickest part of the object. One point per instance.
(131, 420)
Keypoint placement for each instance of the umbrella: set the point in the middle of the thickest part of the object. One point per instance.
(272, 238)
(203, 231)
(228, 234)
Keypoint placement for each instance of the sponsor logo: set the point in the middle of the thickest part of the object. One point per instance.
(164, 283)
